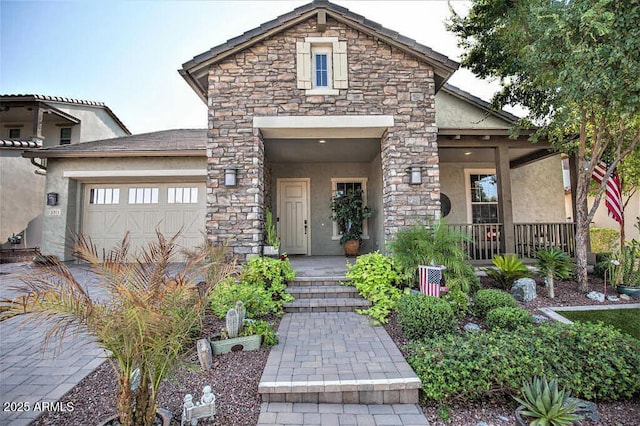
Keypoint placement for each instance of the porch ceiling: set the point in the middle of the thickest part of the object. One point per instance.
(517, 156)
(337, 150)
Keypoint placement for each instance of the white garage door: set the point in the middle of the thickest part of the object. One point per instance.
(110, 210)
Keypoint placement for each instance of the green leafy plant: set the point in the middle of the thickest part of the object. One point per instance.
(422, 316)
(604, 240)
(272, 275)
(257, 300)
(263, 328)
(436, 244)
(349, 212)
(602, 265)
(546, 404)
(554, 263)
(374, 276)
(457, 298)
(486, 300)
(146, 322)
(624, 266)
(596, 361)
(271, 235)
(508, 268)
(508, 318)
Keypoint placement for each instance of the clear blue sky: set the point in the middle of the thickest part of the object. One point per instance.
(127, 53)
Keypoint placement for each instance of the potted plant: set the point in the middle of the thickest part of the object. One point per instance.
(147, 320)
(624, 269)
(272, 247)
(544, 404)
(349, 213)
(233, 337)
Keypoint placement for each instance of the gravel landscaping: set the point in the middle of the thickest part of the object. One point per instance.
(236, 376)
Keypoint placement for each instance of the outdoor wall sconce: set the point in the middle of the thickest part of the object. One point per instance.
(52, 198)
(415, 175)
(231, 176)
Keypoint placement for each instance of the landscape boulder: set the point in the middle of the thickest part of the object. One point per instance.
(524, 290)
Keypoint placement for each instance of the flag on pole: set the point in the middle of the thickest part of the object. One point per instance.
(613, 199)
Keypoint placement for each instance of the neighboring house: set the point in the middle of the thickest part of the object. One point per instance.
(317, 101)
(36, 121)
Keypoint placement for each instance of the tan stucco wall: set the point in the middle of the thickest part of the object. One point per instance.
(320, 175)
(21, 199)
(537, 189)
(95, 123)
(631, 214)
(54, 234)
(452, 112)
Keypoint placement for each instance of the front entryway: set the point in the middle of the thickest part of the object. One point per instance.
(294, 225)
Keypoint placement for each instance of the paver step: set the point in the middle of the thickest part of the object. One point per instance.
(317, 281)
(275, 413)
(334, 304)
(325, 291)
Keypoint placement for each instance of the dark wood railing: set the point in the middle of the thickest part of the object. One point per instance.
(484, 238)
(530, 237)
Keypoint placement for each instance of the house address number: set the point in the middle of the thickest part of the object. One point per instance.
(55, 212)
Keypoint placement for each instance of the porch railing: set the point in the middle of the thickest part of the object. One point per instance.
(484, 238)
(530, 237)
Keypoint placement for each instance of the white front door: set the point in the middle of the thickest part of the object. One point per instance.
(293, 215)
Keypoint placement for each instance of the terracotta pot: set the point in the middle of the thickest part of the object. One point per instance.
(629, 291)
(351, 247)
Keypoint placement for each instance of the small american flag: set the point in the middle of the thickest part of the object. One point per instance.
(613, 198)
(430, 280)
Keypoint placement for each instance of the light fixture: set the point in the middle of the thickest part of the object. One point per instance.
(467, 153)
(415, 175)
(231, 176)
(52, 198)
(322, 141)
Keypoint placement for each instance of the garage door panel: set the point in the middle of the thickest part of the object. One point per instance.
(107, 224)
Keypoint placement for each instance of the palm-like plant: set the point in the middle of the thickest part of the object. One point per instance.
(145, 322)
(508, 268)
(554, 263)
(436, 244)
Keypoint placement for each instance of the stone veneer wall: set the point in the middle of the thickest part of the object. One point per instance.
(261, 81)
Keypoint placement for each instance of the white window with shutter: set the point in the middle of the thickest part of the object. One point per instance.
(321, 64)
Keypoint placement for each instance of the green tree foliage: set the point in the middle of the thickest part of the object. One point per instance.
(574, 65)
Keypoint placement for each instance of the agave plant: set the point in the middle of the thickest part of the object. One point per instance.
(149, 316)
(508, 268)
(554, 263)
(547, 405)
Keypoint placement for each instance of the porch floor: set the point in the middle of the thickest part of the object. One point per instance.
(320, 266)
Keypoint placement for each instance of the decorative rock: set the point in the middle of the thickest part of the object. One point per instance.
(613, 298)
(205, 356)
(586, 409)
(471, 327)
(539, 319)
(625, 297)
(524, 290)
(503, 418)
(482, 424)
(596, 296)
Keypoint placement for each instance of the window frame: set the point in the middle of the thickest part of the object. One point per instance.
(66, 140)
(14, 129)
(469, 201)
(328, 52)
(335, 234)
(337, 65)
(140, 195)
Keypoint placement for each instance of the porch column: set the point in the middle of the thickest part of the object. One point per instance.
(505, 201)
(36, 131)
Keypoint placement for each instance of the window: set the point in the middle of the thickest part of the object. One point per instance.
(483, 196)
(321, 64)
(182, 195)
(104, 196)
(65, 136)
(14, 134)
(143, 195)
(342, 186)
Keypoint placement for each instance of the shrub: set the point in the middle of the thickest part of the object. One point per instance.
(458, 299)
(602, 264)
(422, 316)
(596, 361)
(257, 300)
(508, 318)
(604, 240)
(374, 276)
(263, 328)
(486, 300)
(434, 244)
(272, 275)
(508, 268)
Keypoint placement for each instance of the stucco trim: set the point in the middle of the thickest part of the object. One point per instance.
(346, 126)
(79, 174)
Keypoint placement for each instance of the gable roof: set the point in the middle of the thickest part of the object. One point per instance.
(195, 71)
(28, 98)
(165, 143)
(480, 103)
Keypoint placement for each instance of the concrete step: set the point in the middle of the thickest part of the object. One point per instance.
(323, 291)
(334, 304)
(317, 281)
(336, 358)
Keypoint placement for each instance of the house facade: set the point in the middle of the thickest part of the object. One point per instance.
(33, 122)
(321, 100)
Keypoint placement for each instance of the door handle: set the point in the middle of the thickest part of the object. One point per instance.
(305, 227)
